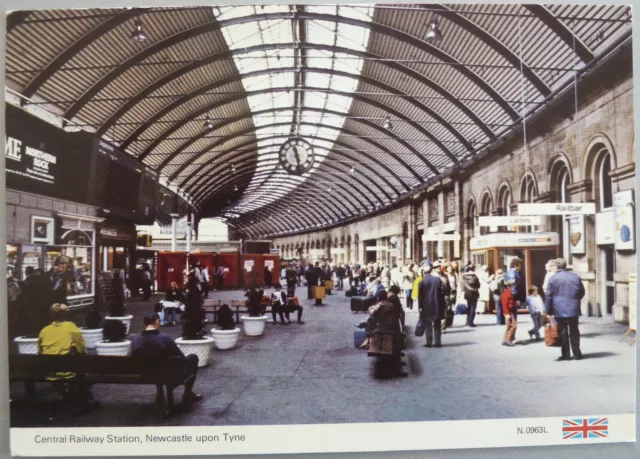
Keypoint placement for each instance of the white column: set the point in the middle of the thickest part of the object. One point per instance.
(441, 222)
(189, 237)
(457, 191)
(174, 230)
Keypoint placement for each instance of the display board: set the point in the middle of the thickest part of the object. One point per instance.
(121, 185)
(41, 158)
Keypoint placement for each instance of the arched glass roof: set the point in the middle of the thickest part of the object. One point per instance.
(211, 94)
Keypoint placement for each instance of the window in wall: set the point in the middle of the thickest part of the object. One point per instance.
(471, 219)
(486, 211)
(528, 194)
(559, 184)
(504, 202)
(77, 248)
(604, 182)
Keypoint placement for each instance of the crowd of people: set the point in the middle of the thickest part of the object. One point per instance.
(442, 289)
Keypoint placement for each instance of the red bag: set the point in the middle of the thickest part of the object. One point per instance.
(551, 337)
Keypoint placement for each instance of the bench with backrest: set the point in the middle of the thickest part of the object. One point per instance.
(166, 375)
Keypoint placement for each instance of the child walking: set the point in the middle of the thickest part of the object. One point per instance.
(536, 308)
(509, 308)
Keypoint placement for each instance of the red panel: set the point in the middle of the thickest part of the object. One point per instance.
(232, 262)
(275, 272)
(257, 271)
(206, 259)
(171, 267)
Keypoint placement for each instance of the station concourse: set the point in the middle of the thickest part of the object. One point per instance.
(147, 146)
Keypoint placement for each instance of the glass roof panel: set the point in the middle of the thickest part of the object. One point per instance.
(270, 182)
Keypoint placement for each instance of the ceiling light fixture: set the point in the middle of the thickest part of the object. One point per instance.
(387, 124)
(434, 34)
(138, 34)
(233, 168)
(208, 124)
(235, 187)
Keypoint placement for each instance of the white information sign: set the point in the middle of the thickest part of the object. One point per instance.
(508, 220)
(441, 237)
(577, 235)
(377, 247)
(248, 265)
(269, 264)
(337, 251)
(605, 227)
(625, 227)
(584, 208)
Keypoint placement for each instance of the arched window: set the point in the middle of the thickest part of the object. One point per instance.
(603, 180)
(559, 181)
(486, 207)
(472, 212)
(528, 193)
(313, 245)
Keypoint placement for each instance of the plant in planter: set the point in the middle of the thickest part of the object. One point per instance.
(254, 322)
(116, 307)
(226, 334)
(92, 331)
(114, 340)
(194, 336)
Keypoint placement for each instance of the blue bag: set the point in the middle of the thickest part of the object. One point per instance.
(420, 328)
(461, 309)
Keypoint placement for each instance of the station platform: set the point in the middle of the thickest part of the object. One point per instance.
(312, 373)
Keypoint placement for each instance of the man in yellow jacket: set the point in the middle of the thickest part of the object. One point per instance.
(63, 337)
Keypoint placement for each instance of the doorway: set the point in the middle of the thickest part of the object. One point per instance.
(607, 270)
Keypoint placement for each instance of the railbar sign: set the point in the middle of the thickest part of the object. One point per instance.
(584, 208)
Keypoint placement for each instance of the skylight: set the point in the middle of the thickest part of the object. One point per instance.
(271, 75)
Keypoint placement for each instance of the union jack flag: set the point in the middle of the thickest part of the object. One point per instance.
(585, 428)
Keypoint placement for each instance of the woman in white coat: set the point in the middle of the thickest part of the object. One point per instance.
(484, 291)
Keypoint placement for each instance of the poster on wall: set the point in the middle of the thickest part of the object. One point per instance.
(577, 234)
(248, 265)
(269, 264)
(623, 214)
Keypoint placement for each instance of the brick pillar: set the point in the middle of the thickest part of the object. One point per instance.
(457, 191)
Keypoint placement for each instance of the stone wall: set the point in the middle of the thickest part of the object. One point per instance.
(560, 136)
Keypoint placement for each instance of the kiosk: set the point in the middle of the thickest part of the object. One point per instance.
(534, 249)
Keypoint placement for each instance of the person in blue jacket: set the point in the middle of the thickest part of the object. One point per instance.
(564, 292)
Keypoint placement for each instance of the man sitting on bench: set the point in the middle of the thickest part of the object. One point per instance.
(63, 337)
(151, 344)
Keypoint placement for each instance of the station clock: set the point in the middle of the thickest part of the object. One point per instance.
(296, 156)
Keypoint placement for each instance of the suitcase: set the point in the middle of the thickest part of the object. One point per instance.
(361, 303)
(358, 337)
(551, 337)
(351, 292)
(448, 317)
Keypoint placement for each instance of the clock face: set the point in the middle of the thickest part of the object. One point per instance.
(296, 156)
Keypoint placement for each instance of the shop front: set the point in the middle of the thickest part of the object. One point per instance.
(116, 248)
(497, 250)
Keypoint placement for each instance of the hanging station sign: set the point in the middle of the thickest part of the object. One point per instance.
(508, 220)
(577, 236)
(441, 237)
(623, 208)
(584, 208)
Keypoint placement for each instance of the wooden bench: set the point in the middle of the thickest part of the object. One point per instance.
(166, 375)
(211, 306)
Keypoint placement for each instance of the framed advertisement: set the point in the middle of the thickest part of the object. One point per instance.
(42, 230)
(577, 236)
(623, 209)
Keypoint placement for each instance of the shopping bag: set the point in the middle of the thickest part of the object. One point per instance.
(551, 337)
(420, 328)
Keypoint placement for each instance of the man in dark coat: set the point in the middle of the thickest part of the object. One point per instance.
(564, 292)
(340, 273)
(34, 302)
(471, 286)
(432, 305)
(268, 277)
(312, 280)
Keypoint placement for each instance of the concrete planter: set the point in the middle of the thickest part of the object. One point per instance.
(199, 347)
(122, 348)
(254, 326)
(225, 339)
(26, 345)
(126, 320)
(91, 336)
